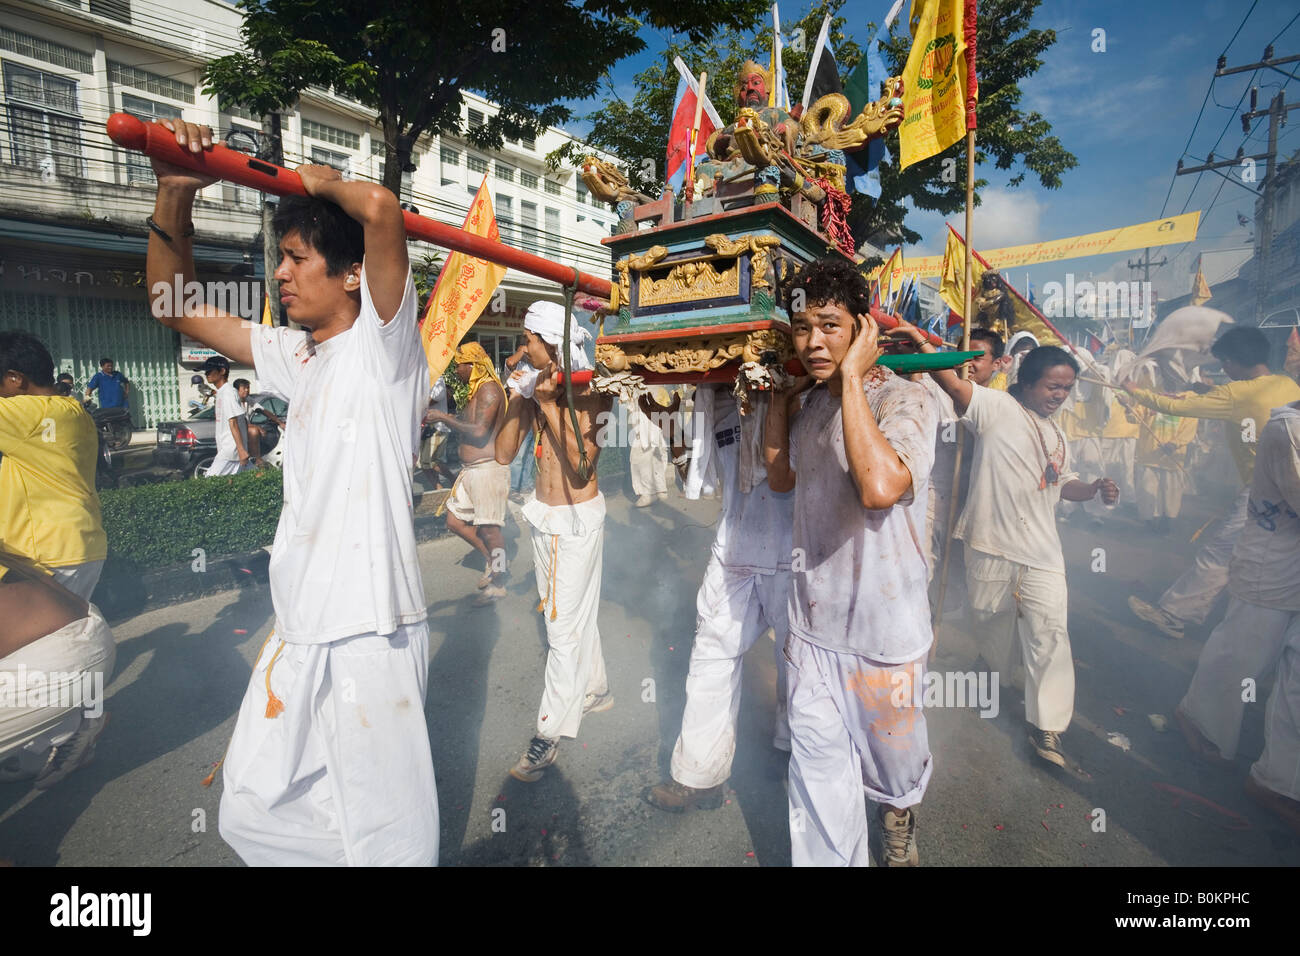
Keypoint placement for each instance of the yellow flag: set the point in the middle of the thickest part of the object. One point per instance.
(934, 81)
(1201, 289)
(266, 311)
(952, 289)
(462, 291)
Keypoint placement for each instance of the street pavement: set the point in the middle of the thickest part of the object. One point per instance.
(181, 672)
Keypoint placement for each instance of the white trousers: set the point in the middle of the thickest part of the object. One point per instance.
(80, 579)
(1160, 493)
(344, 774)
(1278, 768)
(1013, 601)
(1192, 595)
(1117, 456)
(48, 686)
(1089, 460)
(734, 609)
(568, 544)
(1246, 645)
(852, 736)
(648, 466)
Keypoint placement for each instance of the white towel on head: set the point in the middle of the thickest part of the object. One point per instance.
(546, 320)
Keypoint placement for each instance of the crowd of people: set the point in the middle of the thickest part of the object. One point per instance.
(840, 500)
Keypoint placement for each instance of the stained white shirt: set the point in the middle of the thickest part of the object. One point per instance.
(344, 559)
(1265, 566)
(1007, 513)
(859, 576)
(229, 406)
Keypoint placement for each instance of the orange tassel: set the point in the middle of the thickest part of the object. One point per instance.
(207, 781)
(274, 705)
(541, 605)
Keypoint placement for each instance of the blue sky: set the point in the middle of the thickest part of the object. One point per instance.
(1126, 114)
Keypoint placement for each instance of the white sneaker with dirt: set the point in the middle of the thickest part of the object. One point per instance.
(541, 754)
(898, 838)
(595, 703)
(73, 754)
(1169, 625)
(644, 501)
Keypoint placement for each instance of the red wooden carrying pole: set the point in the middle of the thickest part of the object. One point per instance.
(153, 139)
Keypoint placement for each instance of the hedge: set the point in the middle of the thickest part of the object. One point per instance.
(152, 526)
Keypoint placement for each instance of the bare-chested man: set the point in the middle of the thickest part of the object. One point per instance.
(477, 507)
(568, 519)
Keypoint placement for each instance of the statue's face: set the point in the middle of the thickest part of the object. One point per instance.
(753, 91)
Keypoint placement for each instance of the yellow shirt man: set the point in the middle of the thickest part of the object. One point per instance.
(1246, 403)
(1164, 430)
(49, 510)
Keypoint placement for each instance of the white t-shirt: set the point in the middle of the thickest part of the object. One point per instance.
(754, 529)
(229, 406)
(858, 584)
(1007, 515)
(1265, 566)
(344, 559)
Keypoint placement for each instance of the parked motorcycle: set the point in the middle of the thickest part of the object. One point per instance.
(113, 424)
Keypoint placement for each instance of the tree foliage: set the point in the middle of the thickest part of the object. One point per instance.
(1009, 52)
(411, 63)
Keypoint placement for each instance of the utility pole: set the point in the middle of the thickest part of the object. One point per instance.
(1277, 113)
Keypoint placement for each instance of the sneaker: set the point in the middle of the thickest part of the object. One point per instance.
(1047, 744)
(677, 797)
(73, 754)
(898, 838)
(485, 580)
(1286, 808)
(540, 755)
(491, 594)
(595, 703)
(1169, 625)
(644, 501)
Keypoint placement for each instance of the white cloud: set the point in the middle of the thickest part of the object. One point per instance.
(1007, 217)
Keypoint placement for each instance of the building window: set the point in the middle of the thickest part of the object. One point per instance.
(476, 164)
(580, 188)
(506, 218)
(327, 157)
(528, 226)
(505, 172)
(475, 119)
(138, 169)
(44, 125)
(65, 56)
(552, 231)
(125, 75)
(552, 187)
(527, 180)
(450, 157)
(331, 134)
(119, 10)
(528, 142)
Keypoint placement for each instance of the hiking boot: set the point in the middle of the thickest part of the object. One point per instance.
(1047, 744)
(677, 797)
(595, 703)
(1284, 807)
(541, 754)
(74, 753)
(1169, 625)
(898, 838)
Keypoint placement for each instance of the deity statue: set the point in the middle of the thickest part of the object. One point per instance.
(755, 141)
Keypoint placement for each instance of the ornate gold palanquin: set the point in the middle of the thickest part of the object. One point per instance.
(695, 299)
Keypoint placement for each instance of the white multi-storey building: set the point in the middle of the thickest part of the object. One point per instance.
(73, 205)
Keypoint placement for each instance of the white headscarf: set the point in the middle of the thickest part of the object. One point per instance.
(546, 320)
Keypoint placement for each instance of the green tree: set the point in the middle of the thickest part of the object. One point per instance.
(411, 62)
(1009, 52)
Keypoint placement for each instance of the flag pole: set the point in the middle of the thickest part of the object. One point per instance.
(695, 132)
(971, 88)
